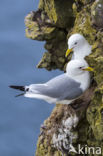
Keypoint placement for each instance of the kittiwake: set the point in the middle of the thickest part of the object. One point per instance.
(64, 88)
(79, 45)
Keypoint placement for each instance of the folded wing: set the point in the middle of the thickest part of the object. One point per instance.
(61, 87)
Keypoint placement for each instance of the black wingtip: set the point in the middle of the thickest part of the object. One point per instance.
(22, 88)
(20, 95)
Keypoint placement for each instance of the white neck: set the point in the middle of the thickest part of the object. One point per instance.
(80, 53)
(84, 79)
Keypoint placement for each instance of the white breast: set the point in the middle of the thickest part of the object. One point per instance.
(84, 79)
(82, 52)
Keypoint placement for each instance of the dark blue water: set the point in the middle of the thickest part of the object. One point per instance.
(20, 118)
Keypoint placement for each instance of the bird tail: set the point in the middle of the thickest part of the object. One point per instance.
(20, 95)
(26, 91)
(21, 88)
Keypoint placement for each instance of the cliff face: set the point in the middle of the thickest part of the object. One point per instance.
(82, 122)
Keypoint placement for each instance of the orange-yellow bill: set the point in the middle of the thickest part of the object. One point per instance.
(68, 52)
(89, 69)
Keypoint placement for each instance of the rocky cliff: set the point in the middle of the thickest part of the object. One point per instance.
(82, 122)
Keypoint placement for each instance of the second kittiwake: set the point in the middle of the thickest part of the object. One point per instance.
(64, 88)
(79, 45)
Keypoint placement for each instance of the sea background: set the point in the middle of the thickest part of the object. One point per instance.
(20, 118)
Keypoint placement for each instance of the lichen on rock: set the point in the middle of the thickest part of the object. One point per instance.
(97, 13)
(39, 26)
(54, 22)
(55, 11)
(49, 23)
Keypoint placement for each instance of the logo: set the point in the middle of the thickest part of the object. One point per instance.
(85, 150)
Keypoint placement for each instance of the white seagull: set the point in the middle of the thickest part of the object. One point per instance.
(64, 88)
(79, 45)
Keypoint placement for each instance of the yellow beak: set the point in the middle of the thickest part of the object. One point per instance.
(88, 69)
(68, 52)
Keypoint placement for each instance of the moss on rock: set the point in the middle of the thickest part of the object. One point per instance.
(52, 22)
(55, 11)
(97, 13)
(39, 27)
(49, 23)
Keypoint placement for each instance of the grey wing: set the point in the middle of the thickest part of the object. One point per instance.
(61, 87)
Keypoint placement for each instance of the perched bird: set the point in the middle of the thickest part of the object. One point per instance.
(64, 88)
(79, 45)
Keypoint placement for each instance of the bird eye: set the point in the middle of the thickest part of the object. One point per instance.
(80, 67)
(75, 43)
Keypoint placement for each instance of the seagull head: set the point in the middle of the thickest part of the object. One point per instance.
(77, 67)
(75, 43)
